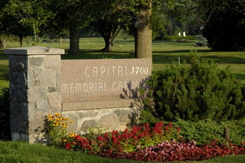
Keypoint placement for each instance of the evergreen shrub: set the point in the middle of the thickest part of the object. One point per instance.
(195, 91)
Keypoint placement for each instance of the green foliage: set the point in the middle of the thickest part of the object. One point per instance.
(201, 41)
(196, 92)
(4, 114)
(206, 131)
(56, 129)
(225, 27)
(26, 15)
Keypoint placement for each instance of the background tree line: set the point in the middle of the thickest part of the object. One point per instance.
(223, 21)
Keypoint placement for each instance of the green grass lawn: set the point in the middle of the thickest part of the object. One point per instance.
(164, 53)
(3, 70)
(13, 152)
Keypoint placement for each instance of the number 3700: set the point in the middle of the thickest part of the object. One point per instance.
(139, 70)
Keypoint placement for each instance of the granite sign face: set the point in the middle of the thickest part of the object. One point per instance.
(90, 84)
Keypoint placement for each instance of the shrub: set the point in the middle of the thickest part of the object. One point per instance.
(196, 92)
(5, 115)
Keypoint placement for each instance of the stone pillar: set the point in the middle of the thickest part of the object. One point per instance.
(35, 79)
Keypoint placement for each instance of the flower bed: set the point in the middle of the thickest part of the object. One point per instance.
(174, 151)
(141, 143)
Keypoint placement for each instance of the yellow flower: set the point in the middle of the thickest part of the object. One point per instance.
(57, 114)
(50, 119)
(64, 140)
(57, 120)
(49, 115)
(72, 135)
(56, 124)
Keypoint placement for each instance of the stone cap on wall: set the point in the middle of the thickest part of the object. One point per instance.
(34, 50)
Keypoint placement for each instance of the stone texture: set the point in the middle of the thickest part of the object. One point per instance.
(100, 119)
(35, 61)
(42, 105)
(49, 77)
(54, 100)
(109, 120)
(89, 124)
(37, 93)
(52, 62)
(34, 89)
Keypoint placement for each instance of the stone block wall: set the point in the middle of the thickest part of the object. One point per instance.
(35, 78)
(101, 119)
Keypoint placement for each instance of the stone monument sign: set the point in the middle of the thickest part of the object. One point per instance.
(104, 83)
(92, 93)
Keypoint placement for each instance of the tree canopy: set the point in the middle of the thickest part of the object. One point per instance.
(56, 18)
(225, 24)
(27, 15)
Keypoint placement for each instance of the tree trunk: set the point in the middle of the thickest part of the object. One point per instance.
(144, 33)
(135, 44)
(107, 40)
(21, 40)
(74, 39)
(2, 43)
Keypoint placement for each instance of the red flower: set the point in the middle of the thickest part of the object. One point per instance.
(114, 140)
(178, 128)
(170, 124)
(100, 138)
(106, 135)
(79, 138)
(68, 145)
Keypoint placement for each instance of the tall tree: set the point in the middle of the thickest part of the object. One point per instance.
(29, 14)
(10, 25)
(139, 13)
(144, 30)
(225, 25)
(2, 32)
(108, 21)
(72, 15)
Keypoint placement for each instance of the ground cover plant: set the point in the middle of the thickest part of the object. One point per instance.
(206, 131)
